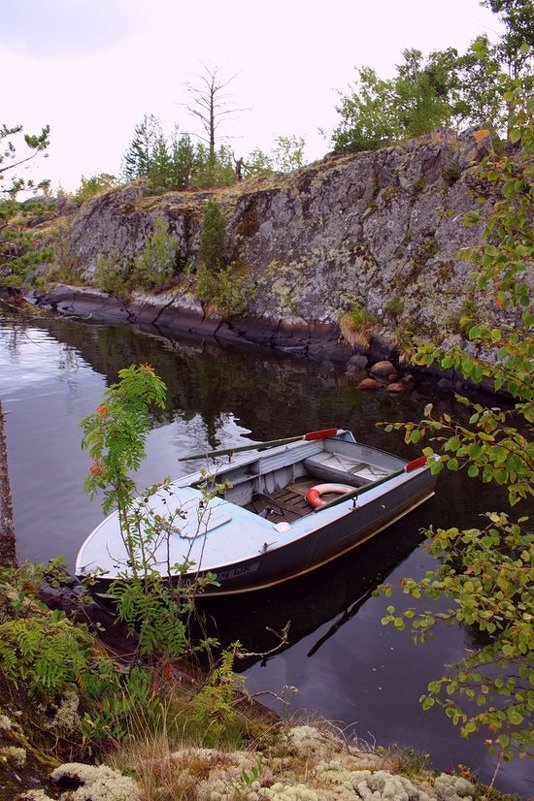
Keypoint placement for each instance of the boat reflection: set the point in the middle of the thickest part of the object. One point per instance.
(332, 594)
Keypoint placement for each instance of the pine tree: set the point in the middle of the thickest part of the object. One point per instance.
(140, 154)
(212, 237)
(182, 161)
(159, 170)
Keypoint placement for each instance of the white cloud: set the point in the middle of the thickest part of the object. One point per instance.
(108, 62)
(48, 29)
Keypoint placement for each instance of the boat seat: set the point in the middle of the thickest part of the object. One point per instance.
(337, 468)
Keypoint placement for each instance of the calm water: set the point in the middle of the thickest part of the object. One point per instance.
(344, 664)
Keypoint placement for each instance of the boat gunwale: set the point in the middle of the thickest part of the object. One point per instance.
(303, 527)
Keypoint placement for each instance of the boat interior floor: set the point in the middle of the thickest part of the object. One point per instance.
(287, 504)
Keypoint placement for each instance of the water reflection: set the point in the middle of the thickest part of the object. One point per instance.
(345, 664)
(333, 595)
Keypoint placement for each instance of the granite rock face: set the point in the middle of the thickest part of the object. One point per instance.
(376, 230)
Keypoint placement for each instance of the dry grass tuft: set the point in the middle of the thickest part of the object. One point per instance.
(357, 327)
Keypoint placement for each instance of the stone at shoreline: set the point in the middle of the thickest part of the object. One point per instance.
(356, 363)
(383, 369)
(370, 384)
(397, 387)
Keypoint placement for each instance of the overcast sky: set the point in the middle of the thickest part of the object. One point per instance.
(93, 68)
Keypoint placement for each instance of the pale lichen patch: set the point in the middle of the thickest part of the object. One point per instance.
(13, 756)
(96, 783)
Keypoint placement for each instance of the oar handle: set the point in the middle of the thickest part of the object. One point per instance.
(413, 465)
(326, 433)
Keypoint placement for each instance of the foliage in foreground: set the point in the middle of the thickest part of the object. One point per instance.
(86, 695)
(486, 573)
(115, 438)
(444, 89)
(61, 665)
(10, 160)
(24, 253)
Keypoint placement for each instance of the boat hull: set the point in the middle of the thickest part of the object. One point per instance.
(326, 543)
(355, 524)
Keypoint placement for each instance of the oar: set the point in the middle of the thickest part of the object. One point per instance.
(413, 465)
(259, 446)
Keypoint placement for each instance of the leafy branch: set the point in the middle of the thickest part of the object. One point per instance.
(36, 143)
(486, 573)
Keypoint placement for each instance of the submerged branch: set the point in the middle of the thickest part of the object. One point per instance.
(7, 528)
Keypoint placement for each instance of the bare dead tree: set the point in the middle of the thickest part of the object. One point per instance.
(210, 103)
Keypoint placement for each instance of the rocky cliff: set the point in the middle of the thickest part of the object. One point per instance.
(376, 231)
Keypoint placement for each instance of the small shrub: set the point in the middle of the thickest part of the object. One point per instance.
(214, 707)
(212, 237)
(451, 173)
(67, 265)
(46, 653)
(388, 195)
(420, 184)
(408, 761)
(423, 253)
(445, 272)
(89, 187)
(229, 292)
(155, 265)
(23, 254)
(394, 307)
(60, 664)
(149, 604)
(357, 326)
(112, 275)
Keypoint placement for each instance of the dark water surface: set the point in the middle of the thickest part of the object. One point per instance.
(344, 664)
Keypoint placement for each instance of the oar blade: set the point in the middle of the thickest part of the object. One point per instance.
(326, 433)
(415, 464)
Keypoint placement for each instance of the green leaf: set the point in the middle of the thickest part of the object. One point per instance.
(469, 728)
(472, 217)
(453, 443)
(515, 135)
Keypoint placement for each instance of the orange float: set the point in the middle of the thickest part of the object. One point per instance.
(313, 496)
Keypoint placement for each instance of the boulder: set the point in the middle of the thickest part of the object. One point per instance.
(370, 384)
(383, 369)
(356, 363)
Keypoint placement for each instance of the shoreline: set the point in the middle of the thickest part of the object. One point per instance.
(174, 316)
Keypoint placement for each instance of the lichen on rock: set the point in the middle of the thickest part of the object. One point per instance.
(12, 755)
(94, 783)
(453, 788)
